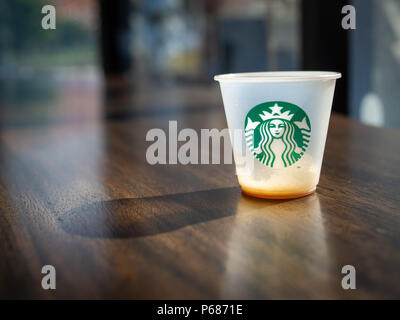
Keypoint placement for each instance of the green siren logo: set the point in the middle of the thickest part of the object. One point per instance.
(277, 133)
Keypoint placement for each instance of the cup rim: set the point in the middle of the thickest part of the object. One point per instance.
(278, 76)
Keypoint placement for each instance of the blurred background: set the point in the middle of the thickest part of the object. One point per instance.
(169, 50)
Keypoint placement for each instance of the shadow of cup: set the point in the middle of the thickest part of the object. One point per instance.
(132, 218)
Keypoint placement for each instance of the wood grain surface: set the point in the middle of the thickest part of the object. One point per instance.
(76, 192)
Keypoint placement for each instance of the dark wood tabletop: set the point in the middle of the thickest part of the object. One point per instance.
(77, 193)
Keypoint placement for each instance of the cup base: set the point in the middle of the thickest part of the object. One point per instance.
(278, 197)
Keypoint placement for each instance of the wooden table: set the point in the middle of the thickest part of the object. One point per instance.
(77, 193)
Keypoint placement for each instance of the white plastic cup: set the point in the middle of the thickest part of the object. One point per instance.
(283, 117)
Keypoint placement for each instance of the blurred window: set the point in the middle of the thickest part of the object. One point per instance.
(375, 63)
(25, 46)
(193, 40)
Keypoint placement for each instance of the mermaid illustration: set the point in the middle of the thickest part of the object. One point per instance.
(273, 141)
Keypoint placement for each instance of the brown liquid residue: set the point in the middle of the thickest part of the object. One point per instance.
(276, 196)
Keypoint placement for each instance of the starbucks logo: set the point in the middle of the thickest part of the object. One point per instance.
(277, 133)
